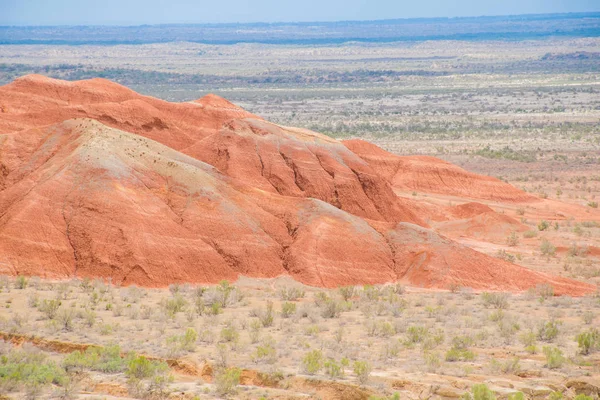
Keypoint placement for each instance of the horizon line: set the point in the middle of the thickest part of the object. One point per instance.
(256, 23)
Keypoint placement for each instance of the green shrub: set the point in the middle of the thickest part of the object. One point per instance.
(583, 396)
(331, 309)
(65, 318)
(543, 225)
(548, 331)
(511, 366)
(347, 292)
(547, 248)
(512, 239)
(21, 282)
(479, 391)
(49, 308)
(312, 362)
(225, 289)
(183, 343)
(544, 290)
(229, 334)
(107, 359)
(140, 367)
(147, 379)
(433, 340)
(174, 305)
(395, 396)
(455, 354)
(529, 234)
(432, 360)
(496, 300)
(215, 308)
(362, 370)
(266, 316)
(555, 396)
(227, 380)
(416, 334)
(516, 396)
(288, 309)
(588, 341)
(29, 370)
(265, 352)
(333, 369)
(291, 294)
(554, 357)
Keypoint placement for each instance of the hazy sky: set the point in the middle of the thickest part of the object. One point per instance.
(135, 12)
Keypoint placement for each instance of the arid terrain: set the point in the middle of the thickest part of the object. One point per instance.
(301, 218)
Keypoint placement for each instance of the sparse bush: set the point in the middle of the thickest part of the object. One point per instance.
(174, 305)
(554, 357)
(33, 300)
(544, 290)
(347, 292)
(395, 396)
(333, 369)
(65, 318)
(543, 225)
(588, 341)
(416, 334)
(511, 366)
(506, 256)
(29, 370)
(50, 308)
(548, 331)
(496, 300)
(148, 379)
(547, 248)
(460, 349)
(185, 342)
(139, 367)
(266, 316)
(370, 292)
(227, 380)
(588, 317)
(291, 294)
(312, 362)
(106, 360)
(529, 234)
(288, 309)
(229, 334)
(362, 370)
(528, 339)
(432, 360)
(254, 333)
(225, 289)
(89, 318)
(331, 309)
(21, 282)
(479, 391)
(512, 239)
(516, 396)
(266, 352)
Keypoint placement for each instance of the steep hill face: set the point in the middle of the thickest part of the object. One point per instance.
(432, 175)
(99, 181)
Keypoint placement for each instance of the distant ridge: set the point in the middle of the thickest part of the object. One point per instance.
(509, 27)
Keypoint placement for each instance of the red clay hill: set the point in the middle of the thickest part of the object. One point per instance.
(99, 181)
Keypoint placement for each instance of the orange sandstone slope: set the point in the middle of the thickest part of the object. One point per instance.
(432, 175)
(204, 191)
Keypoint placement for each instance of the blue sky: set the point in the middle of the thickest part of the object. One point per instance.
(135, 12)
